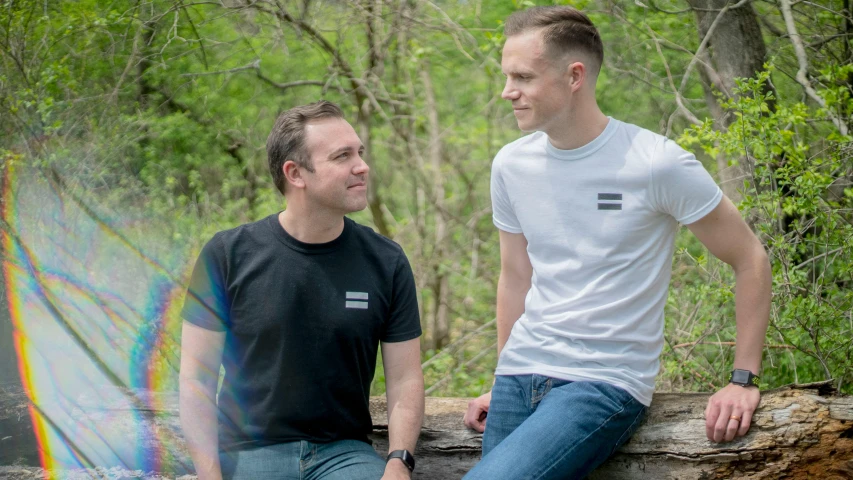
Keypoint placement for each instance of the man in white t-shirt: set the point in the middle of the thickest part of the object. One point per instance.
(588, 208)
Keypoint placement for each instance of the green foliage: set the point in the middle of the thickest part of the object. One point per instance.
(158, 113)
(798, 200)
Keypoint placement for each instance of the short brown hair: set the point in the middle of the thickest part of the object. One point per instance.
(565, 29)
(287, 138)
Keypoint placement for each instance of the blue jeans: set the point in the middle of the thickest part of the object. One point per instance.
(341, 460)
(544, 428)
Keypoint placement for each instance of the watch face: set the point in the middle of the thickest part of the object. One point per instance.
(740, 376)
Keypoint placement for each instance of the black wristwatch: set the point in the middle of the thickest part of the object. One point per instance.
(744, 378)
(403, 455)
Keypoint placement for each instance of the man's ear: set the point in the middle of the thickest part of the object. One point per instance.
(292, 174)
(577, 74)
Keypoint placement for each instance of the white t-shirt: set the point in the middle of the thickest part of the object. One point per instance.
(600, 222)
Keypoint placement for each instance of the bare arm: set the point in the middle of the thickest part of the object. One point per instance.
(729, 238)
(201, 356)
(404, 382)
(513, 285)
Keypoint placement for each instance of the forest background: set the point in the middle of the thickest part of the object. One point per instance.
(131, 131)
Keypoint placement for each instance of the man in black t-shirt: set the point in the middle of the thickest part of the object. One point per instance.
(294, 307)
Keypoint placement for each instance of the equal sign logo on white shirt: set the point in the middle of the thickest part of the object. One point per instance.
(610, 201)
(357, 300)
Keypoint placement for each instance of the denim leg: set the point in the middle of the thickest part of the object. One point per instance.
(276, 462)
(509, 407)
(574, 429)
(344, 460)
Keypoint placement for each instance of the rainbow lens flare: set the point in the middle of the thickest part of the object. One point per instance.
(95, 319)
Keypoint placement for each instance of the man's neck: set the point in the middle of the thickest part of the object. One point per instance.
(582, 127)
(310, 226)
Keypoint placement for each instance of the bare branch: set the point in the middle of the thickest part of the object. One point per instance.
(770, 26)
(459, 343)
(255, 65)
(298, 83)
(802, 59)
(679, 100)
(818, 257)
(457, 29)
(677, 12)
(467, 364)
(701, 59)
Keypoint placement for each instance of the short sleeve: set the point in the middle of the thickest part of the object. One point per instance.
(206, 303)
(404, 320)
(680, 185)
(503, 214)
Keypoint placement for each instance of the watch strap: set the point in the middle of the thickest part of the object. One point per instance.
(404, 455)
(744, 378)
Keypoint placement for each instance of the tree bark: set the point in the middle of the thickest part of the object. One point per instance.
(440, 326)
(9, 373)
(10, 376)
(799, 432)
(735, 50)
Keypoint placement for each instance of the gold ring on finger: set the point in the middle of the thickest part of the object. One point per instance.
(735, 417)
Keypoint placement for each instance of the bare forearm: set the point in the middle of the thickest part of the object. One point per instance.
(405, 413)
(752, 311)
(199, 423)
(510, 305)
(405, 417)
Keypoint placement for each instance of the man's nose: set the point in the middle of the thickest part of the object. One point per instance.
(509, 92)
(361, 168)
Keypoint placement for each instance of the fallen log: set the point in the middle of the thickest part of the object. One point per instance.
(798, 432)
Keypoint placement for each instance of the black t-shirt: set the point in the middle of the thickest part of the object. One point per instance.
(303, 324)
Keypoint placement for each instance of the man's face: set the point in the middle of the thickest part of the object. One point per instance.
(339, 179)
(538, 86)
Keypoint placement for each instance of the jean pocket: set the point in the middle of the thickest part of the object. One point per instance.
(618, 398)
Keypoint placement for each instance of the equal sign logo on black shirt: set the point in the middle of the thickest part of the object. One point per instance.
(357, 300)
(610, 201)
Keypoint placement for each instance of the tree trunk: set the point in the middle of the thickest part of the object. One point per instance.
(735, 50)
(800, 432)
(848, 52)
(440, 324)
(146, 90)
(8, 361)
(10, 376)
(9, 373)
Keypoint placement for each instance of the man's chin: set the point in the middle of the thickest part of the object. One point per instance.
(526, 127)
(357, 207)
